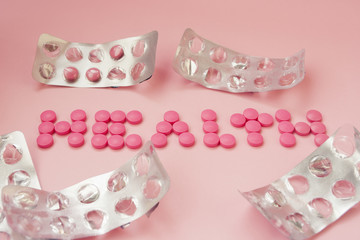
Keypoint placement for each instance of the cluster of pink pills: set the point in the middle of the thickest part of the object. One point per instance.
(172, 124)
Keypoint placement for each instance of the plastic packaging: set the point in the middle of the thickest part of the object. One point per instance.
(217, 67)
(118, 63)
(318, 191)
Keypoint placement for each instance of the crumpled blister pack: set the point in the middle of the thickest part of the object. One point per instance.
(92, 207)
(318, 191)
(120, 63)
(16, 168)
(217, 67)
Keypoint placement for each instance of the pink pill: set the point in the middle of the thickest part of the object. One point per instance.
(252, 126)
(164, 127)
(251, 114)
(78, 115)
(76, 139)
(208, 115)
(100, 128)
(211, 140)
(45, 140)
(118, 116)
(99, 141)
(282, 115)
(116, 142)
(116, 52)
(317, 128)
(46, 127)
(237, 120)
(302, 128)
(287, 139)
(159, 140)
(171, 117)
(102, 116)
(186, 139)
(180, 127)
(255, 139)
(313, 116)
(286, 127)
(133, 141)
(93, 74)
(210, 127)
(227, 141)
(134, 117)
(79, 127)
(117, 129)
(48, 116)
(265, 119)
(62, 127)
(71, 74)
(320, 139)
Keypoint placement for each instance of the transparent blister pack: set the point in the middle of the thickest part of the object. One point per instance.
(318, 191)
(216, 67)
(17, 169)
(120, 63)
(91, 207)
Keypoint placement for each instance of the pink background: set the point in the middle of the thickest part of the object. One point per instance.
(203, 201)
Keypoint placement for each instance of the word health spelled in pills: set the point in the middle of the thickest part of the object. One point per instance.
(109, 128)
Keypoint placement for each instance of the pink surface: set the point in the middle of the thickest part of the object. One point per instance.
(203, 201)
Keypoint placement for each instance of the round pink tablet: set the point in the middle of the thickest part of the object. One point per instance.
(93, 74)
(317, 128)
(116, 142)
(46, 127)
(118, 116)
(302, 128)
(227, 141)
(76, 139)
(78, 115)
(71, 74)
(252, 126)
(102, 116)
(79, 127)
(286, 127)
(211, 139)
(287, 139)
(159, 140)
(48, 116)
(180, 127)
(117, 129)
(320, 139)
(282, 115)
(265, 119)
(208, 115)
(100, 128)
(99, 141)
(133, 141)
(164, 127)
(134, 117)
(45, 140)
(255, 139)
(171, 117)
(62, 127)
(313, 116)
(237, 120)
(186, 139)
(116, 52)
(251, 114)
(210, 127)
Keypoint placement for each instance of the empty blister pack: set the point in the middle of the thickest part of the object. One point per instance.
(217, 67)
(92, 207)
(16, 168)
(317, 191)
(120, 63)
